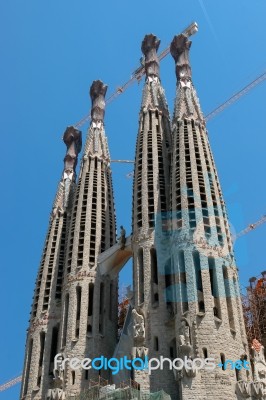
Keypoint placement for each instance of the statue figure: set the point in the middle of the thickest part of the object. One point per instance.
(259, 362)
(122, 237)
(184, 339)
(59, 371)
(138, 325)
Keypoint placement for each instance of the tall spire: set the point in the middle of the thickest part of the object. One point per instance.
(150, 200)
(206, 289)
(89, 317)
(96, 143)
(151, 168)
(46, 307)
(187, 103)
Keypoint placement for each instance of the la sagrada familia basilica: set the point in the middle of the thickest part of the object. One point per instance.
(185, 302)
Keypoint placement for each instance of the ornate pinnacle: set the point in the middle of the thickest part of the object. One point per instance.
(72, 139)
(97, 92)
(149, 48)
(180, 51)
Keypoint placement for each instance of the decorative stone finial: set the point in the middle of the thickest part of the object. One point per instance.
(180, 51)
(149, 48)
(73, 141)
(97, 92)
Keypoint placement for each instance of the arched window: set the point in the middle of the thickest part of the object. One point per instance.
(53, 350)
(154, 269)
(201, 306)
(205, 352)
(211, 273)
(182, 270)
(90, 305)
(73, 377)
(78, 297)
(222, 361)
(65, 320)
(42, 342)
(156, 343)
(154, 276)
(229, 303)
(196, 260)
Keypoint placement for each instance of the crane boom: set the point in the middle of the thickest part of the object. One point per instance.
(236, 96)
(251, 227)
(10, 383)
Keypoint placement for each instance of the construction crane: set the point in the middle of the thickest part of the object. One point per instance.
(123, 161)
(250, 227)
(236, 96)
(10, 383)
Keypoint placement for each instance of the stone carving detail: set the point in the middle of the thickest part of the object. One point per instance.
(180, 51)
(138, 325)
(184, 339)
(55, 394)
(42, 321)
(243, 388)
(259, 363)
(59, 372)
(140, 352)
(122, 239)
(97, 92)
(80, 276)
(256, 389)
(149, 48)
(185, 349)
(72, 139)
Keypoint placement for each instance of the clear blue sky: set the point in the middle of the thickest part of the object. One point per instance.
(51, 51)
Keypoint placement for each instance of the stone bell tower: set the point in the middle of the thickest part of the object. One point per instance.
(75, 308)
(42, 337)
(89, 310)
(208, 311)
(152, 318)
